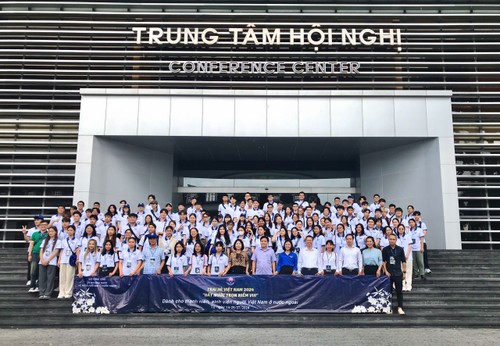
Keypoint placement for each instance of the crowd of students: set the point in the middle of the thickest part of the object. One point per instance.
(343, 238)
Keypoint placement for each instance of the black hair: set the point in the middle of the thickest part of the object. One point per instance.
(183, 248)
(219, 243)
(226, 234)
(298, 234)
(373, 240)
(94, 233)
(77, 212)
(291, 245)
(329, 241)
(362, 229)
(202, 248)
(242, 245)
(197, 238)
(66, 219)
(112, 251)
(114, 207)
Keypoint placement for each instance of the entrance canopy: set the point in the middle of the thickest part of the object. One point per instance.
(395, 143)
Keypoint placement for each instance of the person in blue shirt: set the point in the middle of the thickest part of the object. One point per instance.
(372, 258)
(287, 260)
(154, 256)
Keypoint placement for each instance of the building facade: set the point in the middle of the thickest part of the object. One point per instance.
(50, 50)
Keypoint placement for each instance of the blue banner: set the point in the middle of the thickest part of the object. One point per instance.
(238, 293)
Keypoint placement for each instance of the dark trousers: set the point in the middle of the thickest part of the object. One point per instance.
(237, 270)
(346, 271)
(286, 270)
(309, 271)
(28, 277)
(371, 270)
(426, 260)
(398, 283)
(35, 258)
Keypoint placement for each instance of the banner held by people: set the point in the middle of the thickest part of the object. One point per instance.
(239, 293)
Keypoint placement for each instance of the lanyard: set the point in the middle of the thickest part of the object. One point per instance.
(328, 258)
(199, 260)
(217, 259)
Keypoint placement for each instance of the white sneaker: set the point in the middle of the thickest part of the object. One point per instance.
(28, 283)
(401, 311)
(36, 289)
(428, 271)
(31, 290)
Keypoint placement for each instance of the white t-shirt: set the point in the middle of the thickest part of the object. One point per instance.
(177, 264)
(49, 249)
(416, 234)
(130, 259)
(197, 264)
(85, 241)
(319, 242)
(218, 263)
(89, 262)
(108, 260)
(404, 241)
(69, 247)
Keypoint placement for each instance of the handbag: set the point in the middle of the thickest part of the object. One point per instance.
(72, 258)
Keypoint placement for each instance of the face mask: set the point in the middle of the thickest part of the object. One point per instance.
(241, 232)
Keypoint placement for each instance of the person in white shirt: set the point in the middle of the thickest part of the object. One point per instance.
(218, 262)
(224, 208)
(79, 226)
(49, 252)
(131, 259)
(375, 204)
(56, 220)
(350, 261)
(329, 259)
(301, 202)
(255, 211)
(404, 241)
(147, 208)
(141, 213)
(270, 201)
(198, 261)
(310, 259)
(66, 270)
(318, 239)
(154, 210)
(177, 264)
(417, 248)
(423, 227)
(88, 262)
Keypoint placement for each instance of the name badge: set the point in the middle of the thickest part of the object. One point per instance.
(298, 250)
(104, 267)
(47, 253)
(129, 264)
(328, 267)
(392, 260)
(176, 269)
(197, 270)
(87, 267)
(216, 269)
(414, 241)
(67, 252)
(152, 261)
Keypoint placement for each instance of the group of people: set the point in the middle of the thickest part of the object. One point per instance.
(343, 238)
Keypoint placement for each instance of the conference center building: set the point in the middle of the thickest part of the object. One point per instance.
(103, 101)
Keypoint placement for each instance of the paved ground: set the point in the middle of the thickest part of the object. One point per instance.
(262, 336)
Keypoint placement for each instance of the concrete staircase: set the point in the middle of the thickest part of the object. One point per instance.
(462, 291)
